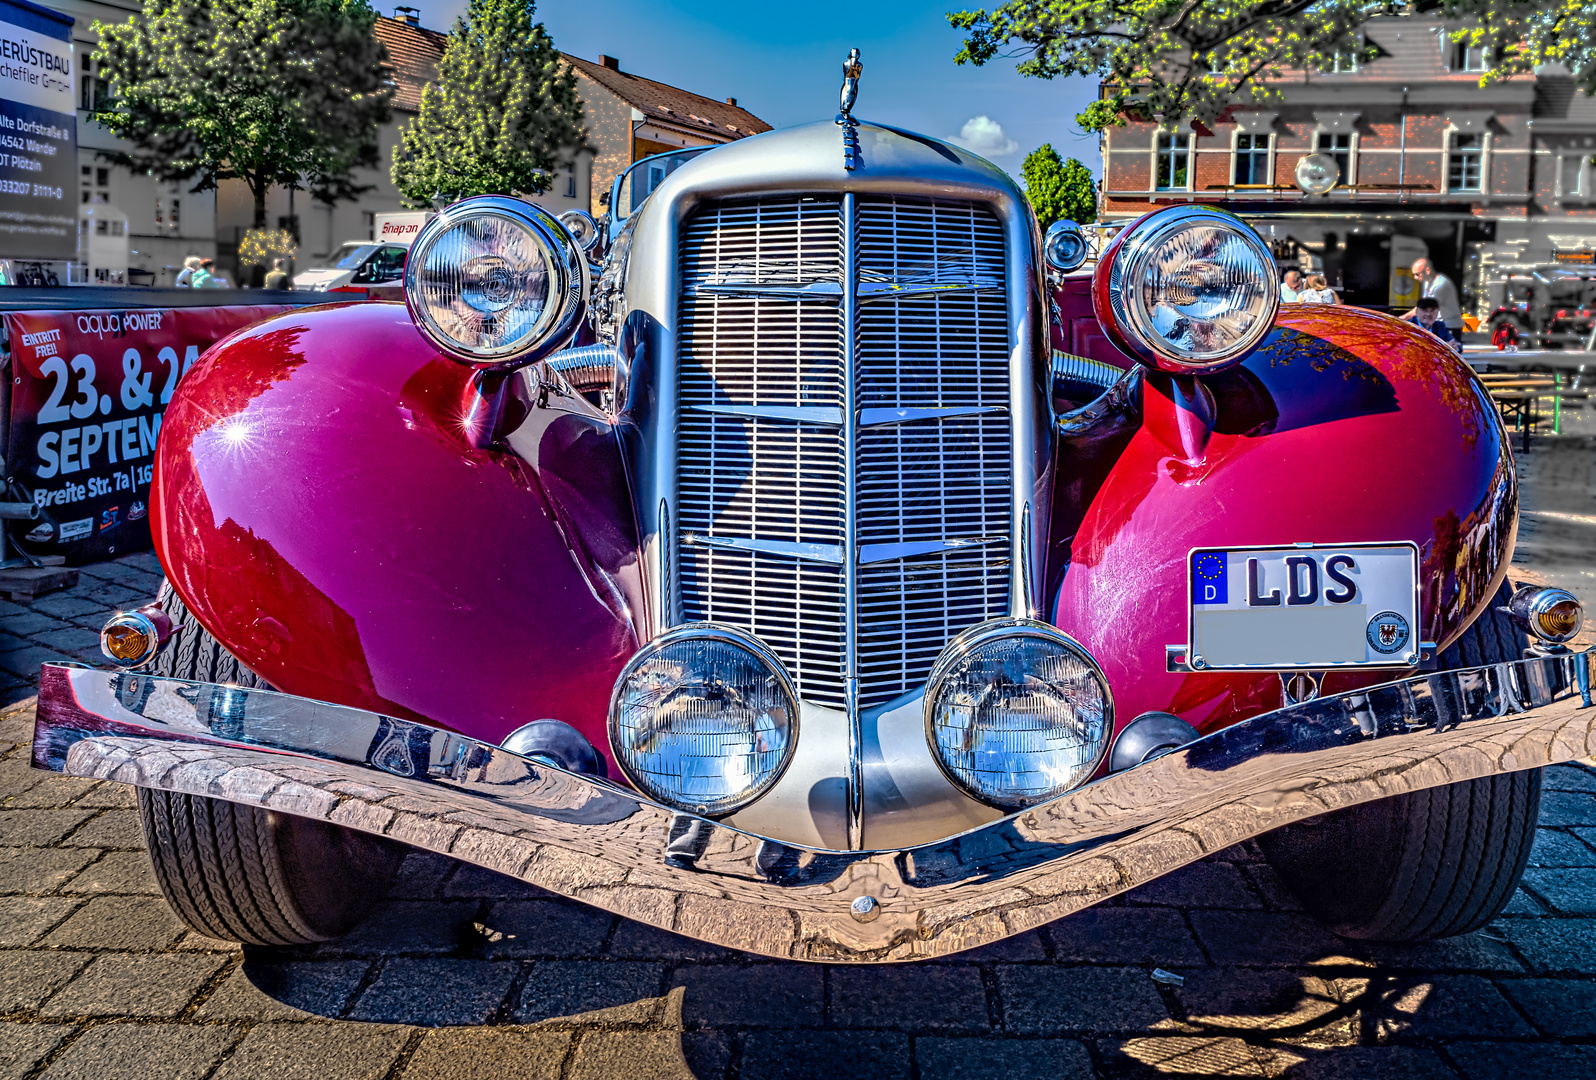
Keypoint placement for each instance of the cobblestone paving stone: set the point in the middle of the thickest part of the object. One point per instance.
(465, 975)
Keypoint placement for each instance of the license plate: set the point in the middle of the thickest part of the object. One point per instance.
(1307, 606)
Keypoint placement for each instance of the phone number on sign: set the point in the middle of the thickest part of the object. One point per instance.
(72, 449)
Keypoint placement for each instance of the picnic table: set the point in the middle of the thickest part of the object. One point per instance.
(1519, 394)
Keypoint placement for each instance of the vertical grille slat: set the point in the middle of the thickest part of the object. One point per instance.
(759, 478)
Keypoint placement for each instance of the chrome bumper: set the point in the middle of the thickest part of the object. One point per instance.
(594, 842)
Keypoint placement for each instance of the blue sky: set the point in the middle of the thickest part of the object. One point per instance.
(783, 63)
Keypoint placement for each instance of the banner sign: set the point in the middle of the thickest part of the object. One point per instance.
(88, 391)
(38, 135)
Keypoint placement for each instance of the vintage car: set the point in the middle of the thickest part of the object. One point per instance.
(868, 583)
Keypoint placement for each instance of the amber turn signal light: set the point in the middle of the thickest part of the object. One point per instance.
(130, 639)
(1552, 616)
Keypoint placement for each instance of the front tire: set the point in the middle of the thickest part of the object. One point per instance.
(1429, 863)
(243, 873)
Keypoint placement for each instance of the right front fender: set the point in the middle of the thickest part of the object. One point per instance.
(318, 508)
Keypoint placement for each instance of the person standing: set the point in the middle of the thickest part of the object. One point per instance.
(277, 278)
(1291, 286)
(185, 276)
(205, 276)
(1433, 283)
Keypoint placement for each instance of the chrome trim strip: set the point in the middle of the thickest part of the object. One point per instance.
(879, 553)
(593, 841)
(898, 290)
(850, 518)
(815, 290)
(883, 417)
(865, 291)
(802, 414)
(826, 553)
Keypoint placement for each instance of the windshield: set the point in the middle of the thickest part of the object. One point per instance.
(350, 256)
(637, 183)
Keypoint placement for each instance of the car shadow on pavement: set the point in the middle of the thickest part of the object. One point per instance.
(1211, 970)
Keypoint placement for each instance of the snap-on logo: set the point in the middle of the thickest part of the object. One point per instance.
(397, 230)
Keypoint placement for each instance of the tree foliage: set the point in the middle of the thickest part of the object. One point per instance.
(271, 92)
(502, 115)
(1059, 189)
(1180, 59)
(259, 247)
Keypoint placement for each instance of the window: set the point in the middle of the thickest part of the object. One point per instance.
(1345, 62)
(1174, 162)
(570, 183)
(96, 91)
(1464, 168)
(1574, 177)
(1466, 57)
(1252, 159)
(1338, 147)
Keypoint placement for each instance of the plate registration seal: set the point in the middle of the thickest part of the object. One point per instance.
(1303, 607)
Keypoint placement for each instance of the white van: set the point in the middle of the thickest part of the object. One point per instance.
(359, 264)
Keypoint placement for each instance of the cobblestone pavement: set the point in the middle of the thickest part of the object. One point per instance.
(462, 974)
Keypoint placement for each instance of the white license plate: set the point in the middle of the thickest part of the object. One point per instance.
(1306, 606)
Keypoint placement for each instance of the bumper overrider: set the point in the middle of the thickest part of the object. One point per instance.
(590, 840)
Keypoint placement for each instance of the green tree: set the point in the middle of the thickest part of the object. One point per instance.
(1059, 189)
(270, 92)
(1179, 59)
(502, 114)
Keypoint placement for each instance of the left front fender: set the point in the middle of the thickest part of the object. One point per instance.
(320, 509)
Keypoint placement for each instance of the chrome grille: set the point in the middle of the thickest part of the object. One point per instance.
(762, 436)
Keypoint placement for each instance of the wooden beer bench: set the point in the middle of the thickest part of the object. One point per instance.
(1519, 395)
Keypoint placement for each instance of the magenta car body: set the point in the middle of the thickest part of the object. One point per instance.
(428, 557)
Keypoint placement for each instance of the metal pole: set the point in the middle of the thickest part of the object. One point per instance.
(1402, 152)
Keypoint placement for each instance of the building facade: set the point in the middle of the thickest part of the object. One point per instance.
(136, 228)
(1431, 164)
(630, 118)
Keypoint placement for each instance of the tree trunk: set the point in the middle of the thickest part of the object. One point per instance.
(259, 191)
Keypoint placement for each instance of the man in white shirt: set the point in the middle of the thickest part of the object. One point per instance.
(1290, 287)
(1439, 286)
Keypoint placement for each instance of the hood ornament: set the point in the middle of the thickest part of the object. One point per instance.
(851, 68)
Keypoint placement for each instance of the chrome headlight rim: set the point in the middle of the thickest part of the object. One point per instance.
(568, 293)
(1127, 323)
(729, 635)
(996, 629)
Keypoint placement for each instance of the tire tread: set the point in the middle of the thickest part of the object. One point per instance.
(1457, 851)
(220, 864)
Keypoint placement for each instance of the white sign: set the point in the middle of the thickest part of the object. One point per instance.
(36, 70)
(399, 228)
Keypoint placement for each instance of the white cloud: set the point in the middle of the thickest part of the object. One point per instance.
(985, 136)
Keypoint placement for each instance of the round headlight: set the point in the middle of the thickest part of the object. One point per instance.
(1016, 713)
(1064, 247)
(496, 282)
(1187, 289)
(1317, 174)
(704, 718)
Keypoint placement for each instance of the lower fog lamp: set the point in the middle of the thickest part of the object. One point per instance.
(704, 718)
(1017, 713)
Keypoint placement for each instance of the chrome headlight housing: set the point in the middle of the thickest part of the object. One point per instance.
(1017, 712)
(704, 718)
(496, 282)
(1187, 289)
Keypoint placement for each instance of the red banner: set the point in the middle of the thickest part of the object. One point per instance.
(88, 391)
